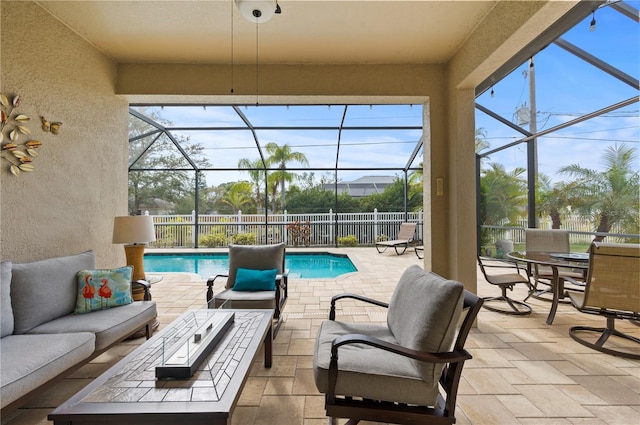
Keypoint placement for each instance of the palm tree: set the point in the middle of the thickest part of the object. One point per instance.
(280, 156)
(503, 194)
(256, 174)
(611, 196)
(238, 196)
(481, 140)
(551, 199)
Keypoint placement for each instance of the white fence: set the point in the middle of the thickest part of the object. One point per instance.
(327, 229)
(581, 231)
(323, 229)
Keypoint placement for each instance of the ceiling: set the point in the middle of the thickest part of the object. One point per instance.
(307, 31)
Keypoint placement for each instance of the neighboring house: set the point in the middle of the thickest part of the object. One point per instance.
(156, 206)
(364, 186)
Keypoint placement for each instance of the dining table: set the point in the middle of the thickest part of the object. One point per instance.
(556, 261)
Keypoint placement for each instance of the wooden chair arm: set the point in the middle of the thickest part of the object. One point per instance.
(458, 356)
(332, 311)
(445, 357)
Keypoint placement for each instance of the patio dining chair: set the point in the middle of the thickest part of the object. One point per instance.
(394, 373)
(550, 240)
(613, 291)
(505, 281)
(256, 279)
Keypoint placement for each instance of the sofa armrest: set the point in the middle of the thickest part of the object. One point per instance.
(145, 285)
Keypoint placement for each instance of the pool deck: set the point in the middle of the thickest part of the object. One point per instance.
(523, 371)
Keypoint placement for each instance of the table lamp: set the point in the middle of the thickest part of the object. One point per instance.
(134, 231)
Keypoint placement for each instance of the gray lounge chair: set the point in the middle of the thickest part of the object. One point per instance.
(254, 257)
(404, 372)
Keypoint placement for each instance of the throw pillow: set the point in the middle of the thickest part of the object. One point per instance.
(101, 289)
(255, 280)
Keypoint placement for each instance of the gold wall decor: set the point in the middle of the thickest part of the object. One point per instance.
(19, 154)
(53, 127)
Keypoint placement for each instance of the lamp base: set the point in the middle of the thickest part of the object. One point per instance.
(135, 258)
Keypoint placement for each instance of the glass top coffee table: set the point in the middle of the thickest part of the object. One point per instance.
(129, 392)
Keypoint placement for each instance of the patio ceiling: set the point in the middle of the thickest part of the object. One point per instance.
(320, 31)
(306, 32)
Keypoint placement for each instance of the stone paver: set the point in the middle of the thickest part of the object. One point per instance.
(523, 371)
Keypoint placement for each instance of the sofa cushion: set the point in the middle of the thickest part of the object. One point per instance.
(26, 367)
(424, 311)
(45, 290)
(258, 257)
(255, 280)
(6, 312)
(109, 326)
(105, 288)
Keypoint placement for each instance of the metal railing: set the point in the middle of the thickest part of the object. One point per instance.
(324, 229)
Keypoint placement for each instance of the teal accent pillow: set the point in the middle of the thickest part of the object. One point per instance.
(255, 280)
(102, 289)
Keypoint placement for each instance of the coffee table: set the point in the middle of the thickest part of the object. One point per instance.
(129, 392)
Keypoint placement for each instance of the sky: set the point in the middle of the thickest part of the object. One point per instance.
(565, 88)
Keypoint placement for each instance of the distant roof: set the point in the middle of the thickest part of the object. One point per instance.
(374, 179)
(364, 186)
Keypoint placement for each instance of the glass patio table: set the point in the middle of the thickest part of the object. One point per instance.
(554, 260)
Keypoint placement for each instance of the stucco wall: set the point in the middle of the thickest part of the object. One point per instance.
(79, 184)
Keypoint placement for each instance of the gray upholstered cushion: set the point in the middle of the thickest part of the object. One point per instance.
(6, 312)
(424, 311)
(257, 257)
(366, 371)
(26, 367)
(109, 326)
(45, 290)
(245, 299)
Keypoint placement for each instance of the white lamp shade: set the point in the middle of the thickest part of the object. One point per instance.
(266, 7)
(133, 229)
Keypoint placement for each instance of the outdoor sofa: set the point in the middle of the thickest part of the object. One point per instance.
(43, 335)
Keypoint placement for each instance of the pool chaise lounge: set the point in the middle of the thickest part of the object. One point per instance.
(405, 237)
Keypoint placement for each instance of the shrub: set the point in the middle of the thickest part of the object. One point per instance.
(213, 240)
(382, 238)
(247, 238)
(350, 240)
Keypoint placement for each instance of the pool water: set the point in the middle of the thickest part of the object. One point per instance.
(305, 266)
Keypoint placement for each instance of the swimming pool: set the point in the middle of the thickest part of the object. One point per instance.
(301, 265)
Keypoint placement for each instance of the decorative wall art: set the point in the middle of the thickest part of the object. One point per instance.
(18, 148)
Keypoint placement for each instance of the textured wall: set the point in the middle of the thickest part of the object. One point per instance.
(68, 203)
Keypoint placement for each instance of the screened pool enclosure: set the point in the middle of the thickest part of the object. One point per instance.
(337, 174)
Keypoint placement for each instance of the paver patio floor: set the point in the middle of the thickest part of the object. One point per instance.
(523, 371)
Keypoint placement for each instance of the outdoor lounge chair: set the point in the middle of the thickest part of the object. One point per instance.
(393, 373)
(258, 259)
(405, 237)
(613, 291)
